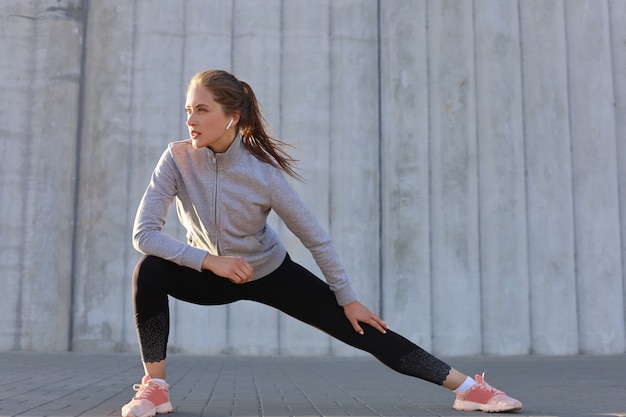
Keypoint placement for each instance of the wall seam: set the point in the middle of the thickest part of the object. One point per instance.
(525, 164)
(381, 287)
(279, 317)
(430, 178)
(620, 216)
(571, 161)
(477, 173)
(329, 134)
(77, 154)
(229, 308)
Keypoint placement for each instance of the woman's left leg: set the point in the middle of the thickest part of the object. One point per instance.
(300, 294)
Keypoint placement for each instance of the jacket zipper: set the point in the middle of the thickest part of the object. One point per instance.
(215, 216)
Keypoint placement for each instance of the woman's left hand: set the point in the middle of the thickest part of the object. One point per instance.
(358, 313)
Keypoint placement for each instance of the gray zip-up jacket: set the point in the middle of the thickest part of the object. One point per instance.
(223, 201)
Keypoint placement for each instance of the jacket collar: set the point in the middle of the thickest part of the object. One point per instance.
(230, 156)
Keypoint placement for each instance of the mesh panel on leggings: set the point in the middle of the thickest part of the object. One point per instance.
(423, 365)
(153, 334)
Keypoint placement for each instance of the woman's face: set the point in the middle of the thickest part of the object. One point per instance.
(207, 122)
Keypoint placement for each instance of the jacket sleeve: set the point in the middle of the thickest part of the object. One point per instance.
(302, 222)
(148, 235)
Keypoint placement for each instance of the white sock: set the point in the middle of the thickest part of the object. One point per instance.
(159, 380)
(466, 385)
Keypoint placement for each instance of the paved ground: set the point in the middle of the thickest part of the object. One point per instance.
(73, 384)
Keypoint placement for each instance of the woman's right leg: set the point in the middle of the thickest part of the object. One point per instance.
(153, 280)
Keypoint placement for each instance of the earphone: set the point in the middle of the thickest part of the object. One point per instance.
(232, 119)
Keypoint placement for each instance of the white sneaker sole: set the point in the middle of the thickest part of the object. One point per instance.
(160, 409)
(486, 408)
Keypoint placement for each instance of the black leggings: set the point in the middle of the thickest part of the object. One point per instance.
(291, 289)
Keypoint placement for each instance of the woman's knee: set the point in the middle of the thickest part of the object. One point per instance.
(148, 270)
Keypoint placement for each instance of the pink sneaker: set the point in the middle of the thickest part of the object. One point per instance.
(484, 397)
(151, 398)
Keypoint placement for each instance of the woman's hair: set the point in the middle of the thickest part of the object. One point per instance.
(236, 96)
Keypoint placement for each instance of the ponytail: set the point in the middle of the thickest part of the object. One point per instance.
(237, 96)
(253, 128)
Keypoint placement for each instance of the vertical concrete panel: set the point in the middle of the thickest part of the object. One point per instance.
(599, 272)
(405, 237)
(550, 210)
(304, 122)
(253, 328)
(617, 11)
(454, 188)
(47, 195)
(18, 40)
(102, 247)
(504, 272)
(208, 37)
(156, 117)
(354, 147)
(207, 44)
(50, 192)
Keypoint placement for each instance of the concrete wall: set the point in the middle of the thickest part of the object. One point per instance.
(468, 158)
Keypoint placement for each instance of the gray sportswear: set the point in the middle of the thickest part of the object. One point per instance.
(223, 200)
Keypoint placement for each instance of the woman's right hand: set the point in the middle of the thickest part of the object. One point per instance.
(236, 269)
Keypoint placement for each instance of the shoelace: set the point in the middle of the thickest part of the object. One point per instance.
(144, 390)
(488, 387)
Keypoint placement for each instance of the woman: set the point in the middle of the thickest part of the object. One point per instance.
(225, 180)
